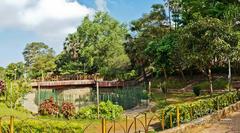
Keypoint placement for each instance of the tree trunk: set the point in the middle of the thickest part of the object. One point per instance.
(229, 75)
(144, 74)
(165, 73)
(182, 74)
(210, 80)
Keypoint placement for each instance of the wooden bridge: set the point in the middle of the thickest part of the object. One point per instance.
(78, 83)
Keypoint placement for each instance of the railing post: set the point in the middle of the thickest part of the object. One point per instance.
(178, 117)
(163, 120)
(135, 125)
(103, 125)
(171, 124)
(0, 125)
(191, 113)
(11, 124)
(146, 125)
(126, 123)
(114, 126)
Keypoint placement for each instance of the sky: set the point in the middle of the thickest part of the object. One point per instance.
(50, 21)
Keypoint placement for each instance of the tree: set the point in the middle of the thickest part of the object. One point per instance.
(149, 27)
(96, 47)
(15, 71)
(192, 10)
(208, 43)
(39, 59)
(230, 17)
(2, 73)
(14, 90)
(168, 53)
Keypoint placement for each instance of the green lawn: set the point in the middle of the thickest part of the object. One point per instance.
(19, 112)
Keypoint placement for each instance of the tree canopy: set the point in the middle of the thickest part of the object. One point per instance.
(96, 47)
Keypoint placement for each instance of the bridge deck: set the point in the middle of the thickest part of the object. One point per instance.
(62, 84)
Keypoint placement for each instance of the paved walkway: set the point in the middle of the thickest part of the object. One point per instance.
(28, 103)
(230, 124)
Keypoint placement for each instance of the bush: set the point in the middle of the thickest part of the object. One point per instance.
(197, 90)
(1, 86)
(220, 83)
(48, 107)
(43, 126)
(198, 108)
(107, 110)
(170, 84)
(68, 110)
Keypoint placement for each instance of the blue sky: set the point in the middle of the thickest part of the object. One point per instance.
(49, 21)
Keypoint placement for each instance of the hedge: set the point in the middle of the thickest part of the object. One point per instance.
(43, 126)
(196, 109)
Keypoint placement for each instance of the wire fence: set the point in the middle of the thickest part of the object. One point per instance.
(128, 96)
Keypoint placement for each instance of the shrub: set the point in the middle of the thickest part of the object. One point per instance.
(68, 110)
(220, 83)
(43, 126)
(197, 90)
(198, 108)
(107, 110)
(1, 86)
(48, 107)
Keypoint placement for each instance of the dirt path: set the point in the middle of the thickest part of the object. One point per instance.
(28, 102)
(228, 125)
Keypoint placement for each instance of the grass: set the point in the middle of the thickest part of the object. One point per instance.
(217, 84)
(170, 84)
(19, 112)
(176, 98)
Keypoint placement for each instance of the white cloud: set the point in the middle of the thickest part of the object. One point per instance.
(101, 5)
(50, 19)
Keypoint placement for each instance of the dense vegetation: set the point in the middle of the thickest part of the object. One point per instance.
(190, 37)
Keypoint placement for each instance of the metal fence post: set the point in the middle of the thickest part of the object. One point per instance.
(191, 113)
(103, 125)
(135, 124)
(114, 126)
(126, 123)
(163, 120)
(178, 117)
(0, 125)
(11, 124)
(171, 124)
(146, 125)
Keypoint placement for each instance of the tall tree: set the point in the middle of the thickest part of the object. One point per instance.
(208, 42)
(149, 27)
(97, 46)
(15, 71)
(39, 58)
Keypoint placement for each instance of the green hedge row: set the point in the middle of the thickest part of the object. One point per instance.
(43, 126)
(194, 110)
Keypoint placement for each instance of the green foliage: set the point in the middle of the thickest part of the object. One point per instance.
(39, 126)
(15, 90)
(197, 90)
(96, 47)
(219, 83)
(199, 108)
(14, 71)
(107, 110)
(2, 73)
(126, 97)
(39, 59)
(170, 84)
